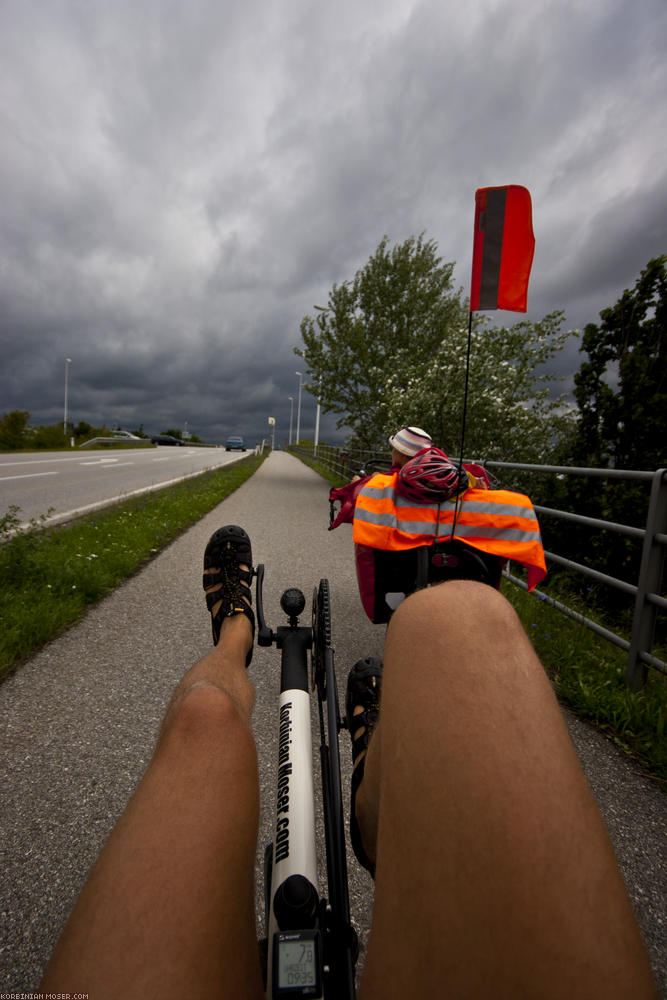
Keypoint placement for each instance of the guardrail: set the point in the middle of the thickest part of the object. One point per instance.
(648, 600)
(136, 443)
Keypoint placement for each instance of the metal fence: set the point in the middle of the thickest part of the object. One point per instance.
(648, 601)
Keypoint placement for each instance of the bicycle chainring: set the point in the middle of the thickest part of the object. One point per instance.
(321, 635)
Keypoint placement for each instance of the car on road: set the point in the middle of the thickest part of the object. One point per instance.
(126, 435)
(235, 443)
(165, 439)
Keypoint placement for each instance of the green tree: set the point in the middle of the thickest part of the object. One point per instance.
(50, 436)
(511, 413)
(83, 430)
(400, 303)
(390, 350)
(621, 391)
(12, 429)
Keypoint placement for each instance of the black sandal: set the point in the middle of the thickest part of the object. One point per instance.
(364, 684)
(227, 549)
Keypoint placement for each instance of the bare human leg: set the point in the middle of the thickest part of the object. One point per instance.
(495, 875)
(168, 909)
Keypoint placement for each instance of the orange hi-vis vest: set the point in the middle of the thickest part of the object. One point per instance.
(499, 522)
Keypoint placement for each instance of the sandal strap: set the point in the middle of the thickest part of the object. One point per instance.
(219, 580)
(210, 579)
(240, 609)
(365, 721)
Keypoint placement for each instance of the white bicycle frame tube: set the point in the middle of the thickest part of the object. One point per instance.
(294, 843)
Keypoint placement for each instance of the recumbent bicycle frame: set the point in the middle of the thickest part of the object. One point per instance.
(311, 946)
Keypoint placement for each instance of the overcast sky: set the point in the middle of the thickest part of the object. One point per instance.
(182, 181)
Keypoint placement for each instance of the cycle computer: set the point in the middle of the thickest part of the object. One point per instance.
(297, 969)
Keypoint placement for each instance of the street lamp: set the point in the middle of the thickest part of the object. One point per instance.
(317, 417)
(68, 362)
(291, 412)
(298, 411)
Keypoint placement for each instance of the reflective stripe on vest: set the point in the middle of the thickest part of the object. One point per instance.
(499, 522)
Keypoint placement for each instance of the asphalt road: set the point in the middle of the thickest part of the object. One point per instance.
(74, 481)
(79, 721)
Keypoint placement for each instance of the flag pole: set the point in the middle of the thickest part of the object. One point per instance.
(457, 501)
(502, 257)
(465, 390)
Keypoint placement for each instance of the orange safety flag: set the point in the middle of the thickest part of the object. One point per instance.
(503, 248)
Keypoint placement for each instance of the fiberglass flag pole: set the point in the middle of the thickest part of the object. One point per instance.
(502, 257)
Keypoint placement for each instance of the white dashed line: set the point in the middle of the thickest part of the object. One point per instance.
(28, 475)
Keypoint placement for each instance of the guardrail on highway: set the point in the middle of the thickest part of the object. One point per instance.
(139, 443)
(648, 600)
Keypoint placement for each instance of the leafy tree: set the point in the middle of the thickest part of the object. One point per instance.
(625, 425)
(510, 412)
(83, 430)
(621, 392)
(12, 429)
(390, 350)
(402, 302)
(50, 436)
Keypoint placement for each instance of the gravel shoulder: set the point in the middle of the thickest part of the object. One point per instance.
(79, 721)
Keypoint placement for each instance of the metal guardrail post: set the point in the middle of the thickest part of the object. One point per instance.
(650, 580)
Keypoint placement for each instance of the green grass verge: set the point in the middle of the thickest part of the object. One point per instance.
(322, 470)
(588, 673)
(49, 576)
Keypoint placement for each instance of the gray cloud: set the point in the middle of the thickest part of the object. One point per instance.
(182, 183)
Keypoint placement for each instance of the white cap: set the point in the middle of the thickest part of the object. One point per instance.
(410, 440)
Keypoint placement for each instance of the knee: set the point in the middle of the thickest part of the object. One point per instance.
(460, 606)
(460, 622)
(206, 715)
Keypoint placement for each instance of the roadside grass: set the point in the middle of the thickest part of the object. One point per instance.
(588, 673)
(322, 470)
(49, 576)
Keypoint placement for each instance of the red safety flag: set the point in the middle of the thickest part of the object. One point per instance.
(503, 248)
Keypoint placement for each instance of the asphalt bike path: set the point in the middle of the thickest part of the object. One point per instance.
(80, 718)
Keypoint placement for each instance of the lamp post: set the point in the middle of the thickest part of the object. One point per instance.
(322, 309)
(317, 418)
(298, 411)
(68, 362)
(291, 413)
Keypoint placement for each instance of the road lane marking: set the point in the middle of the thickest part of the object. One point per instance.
(41, 461)
(119, 465)
(100, 504)
(29, 475)
(100, 461)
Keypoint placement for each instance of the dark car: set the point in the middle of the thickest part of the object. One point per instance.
(165, 439)
(235, 443)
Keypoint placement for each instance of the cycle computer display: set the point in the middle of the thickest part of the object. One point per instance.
(296, 964)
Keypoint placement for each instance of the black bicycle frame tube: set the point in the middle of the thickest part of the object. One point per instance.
(346, 941)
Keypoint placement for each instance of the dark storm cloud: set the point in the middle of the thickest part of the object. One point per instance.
(182, 183)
